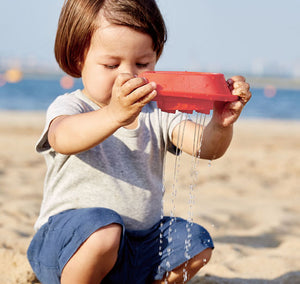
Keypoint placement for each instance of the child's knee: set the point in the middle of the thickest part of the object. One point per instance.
(99, 251)
(106, 240)
(197, 262)
(191, 267)
(201, 259)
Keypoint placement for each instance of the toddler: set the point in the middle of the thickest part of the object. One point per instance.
(100, 219)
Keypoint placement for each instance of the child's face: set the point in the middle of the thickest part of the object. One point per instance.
(114, 49)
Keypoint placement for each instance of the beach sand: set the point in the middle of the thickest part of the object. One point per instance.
(249, 200)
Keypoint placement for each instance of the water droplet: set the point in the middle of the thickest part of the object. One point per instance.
(187, 256)
(185, 277)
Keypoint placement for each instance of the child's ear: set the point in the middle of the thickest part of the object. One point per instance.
(79, 66)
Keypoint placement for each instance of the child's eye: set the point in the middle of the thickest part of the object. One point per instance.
(142, 65)
(111, 66)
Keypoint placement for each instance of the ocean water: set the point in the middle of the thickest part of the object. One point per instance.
(37, 94)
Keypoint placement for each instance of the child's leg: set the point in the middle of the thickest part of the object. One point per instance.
(192, 267)
(95, 258)
(72, 243)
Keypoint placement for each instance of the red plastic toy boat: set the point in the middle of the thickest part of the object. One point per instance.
(189, 91)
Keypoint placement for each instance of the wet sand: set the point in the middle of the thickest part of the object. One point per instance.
(248, 200)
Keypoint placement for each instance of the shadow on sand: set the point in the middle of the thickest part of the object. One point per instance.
(289, 278)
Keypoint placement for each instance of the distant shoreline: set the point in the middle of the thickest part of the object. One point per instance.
(279, 83)
(255, 81)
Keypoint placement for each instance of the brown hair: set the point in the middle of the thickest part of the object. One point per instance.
(77, 20)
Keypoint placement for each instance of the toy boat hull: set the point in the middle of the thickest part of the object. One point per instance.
(189, 91)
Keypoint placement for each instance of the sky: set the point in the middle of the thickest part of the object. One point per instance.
(203, 35)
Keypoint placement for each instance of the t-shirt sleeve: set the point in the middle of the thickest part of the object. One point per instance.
(67, 104)
(172, 120)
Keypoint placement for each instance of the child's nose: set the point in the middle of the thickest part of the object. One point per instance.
(130, 69)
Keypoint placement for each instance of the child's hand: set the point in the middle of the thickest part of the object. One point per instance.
(226, 114)
(129, 95)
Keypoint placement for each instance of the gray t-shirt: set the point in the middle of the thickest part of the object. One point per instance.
(123, 173)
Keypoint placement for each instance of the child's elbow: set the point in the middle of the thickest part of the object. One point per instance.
(57, 146)
(212, 156)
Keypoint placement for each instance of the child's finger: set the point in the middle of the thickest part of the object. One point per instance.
(241, 84)
(133, 84)
(146, 99)
(144, 93)
(233, 80)
(238, 78)
(243, 94)
(122, 79)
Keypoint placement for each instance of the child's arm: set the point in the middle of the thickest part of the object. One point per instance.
(76, 133)
(218, 133)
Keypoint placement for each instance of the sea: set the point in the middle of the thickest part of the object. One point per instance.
(37, 94)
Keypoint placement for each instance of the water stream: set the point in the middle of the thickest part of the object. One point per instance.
(199, 120)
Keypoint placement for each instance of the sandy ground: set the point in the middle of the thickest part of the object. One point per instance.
(249, 200)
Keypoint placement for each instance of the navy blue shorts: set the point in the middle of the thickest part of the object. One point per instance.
(144, 256)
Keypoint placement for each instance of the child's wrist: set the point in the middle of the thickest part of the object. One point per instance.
(219, 126)
(111, 117)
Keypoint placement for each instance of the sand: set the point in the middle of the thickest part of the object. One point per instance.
(249, 200)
